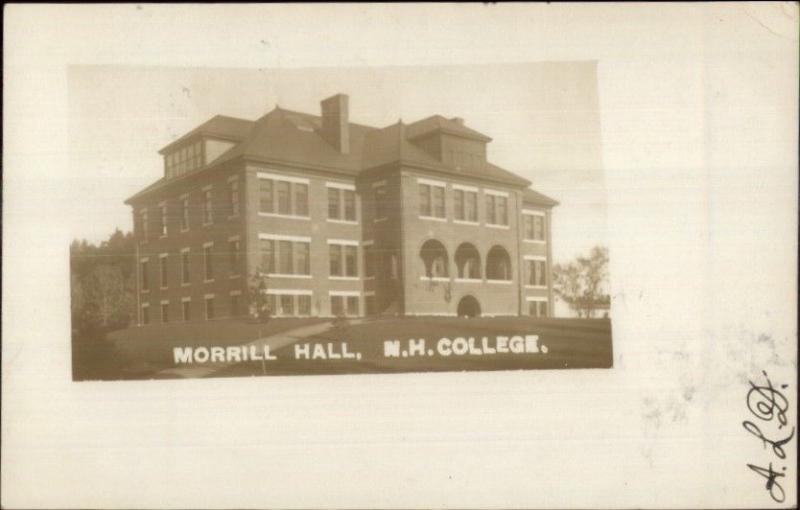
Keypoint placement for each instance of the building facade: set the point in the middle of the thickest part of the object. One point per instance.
(339, 218)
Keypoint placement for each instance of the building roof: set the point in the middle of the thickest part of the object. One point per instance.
(533, 197)
(284, 136)
(436, 123)
(219, 126)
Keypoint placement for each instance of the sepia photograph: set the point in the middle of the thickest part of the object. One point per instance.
(326, 238)
(400, 255)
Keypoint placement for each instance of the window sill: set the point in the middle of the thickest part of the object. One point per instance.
(184, 230)
(433, 218)
(497, 225)
(469, 280)
(535, 241)
(208, 224)
(465, 222)
(343, 222)
(164, 288)
(539, 287)
(186, 284)
(208, 281)
(284, 216)
(434, 278)
(234, 276)
(345, 278)
(282, 275)
(145, 291)
(502, 282)
(378, 220)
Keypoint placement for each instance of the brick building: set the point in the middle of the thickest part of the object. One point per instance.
(344, 219)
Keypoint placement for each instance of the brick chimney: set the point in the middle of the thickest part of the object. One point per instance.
(336, 123)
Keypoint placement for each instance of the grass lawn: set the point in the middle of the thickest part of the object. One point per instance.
(146, 349)
(571, 343)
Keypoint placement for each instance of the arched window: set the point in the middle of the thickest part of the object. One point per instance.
(468, 262)
(498, 264)
(434, 256)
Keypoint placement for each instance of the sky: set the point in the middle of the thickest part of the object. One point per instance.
(543, 117)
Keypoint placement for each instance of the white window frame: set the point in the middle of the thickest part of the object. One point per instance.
(345, 187)
(540, 258)
(230, 240)
(206, 298)
(378, 184)
(161, 310)
(433, 183)
(209, 244)
(535, 212)
(502, 194)
(185, 212)
(346, 242)
(468, 189)
(208, 204)
(185, 284)
(293, 239)
(161, 257)
(163, 220)
(289, 179)
(185, 300)
(233, 182)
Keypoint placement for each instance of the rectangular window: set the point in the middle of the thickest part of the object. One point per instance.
(379, 196)
(538, 228)
(234, 198)
(208, 216)
(163, 220)
(164, 312)
(265, 196)
(349, 205)
(424, 200)
(164, 275)
(491, 215)
(369, 262)
(496, 209)
(335, 259)
(432, 200)
(267, 256)
(287, 304)
(352, 306)
(302, 261)
(304, 305)
(471, 206)
(351, 260)
(536, 270)
(145, 314)
(438, 201)
(369, 304)
(209, 301)
(234, 248)
(187, 310)
(537, 308)
(337, 306)
(527, 226)
(334, 205)
(284, 203)
(208, 262)
(502, 210)
(185, 213)
(300, 199)
(285, 265)
(458, 205)
(185, 267)
(145, 278)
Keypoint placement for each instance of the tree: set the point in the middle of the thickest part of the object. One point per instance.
(257, 292)
(106, 299)
(581, 283)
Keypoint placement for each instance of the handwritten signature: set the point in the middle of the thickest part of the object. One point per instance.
(767, 403)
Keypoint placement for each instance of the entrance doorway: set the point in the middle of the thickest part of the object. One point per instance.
(469, 307)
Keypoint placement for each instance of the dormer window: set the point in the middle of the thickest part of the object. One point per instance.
(184, 159)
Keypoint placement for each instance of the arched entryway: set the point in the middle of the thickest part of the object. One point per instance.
(434, 257)
(498, 264)
(469, 307)
(468, 262)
